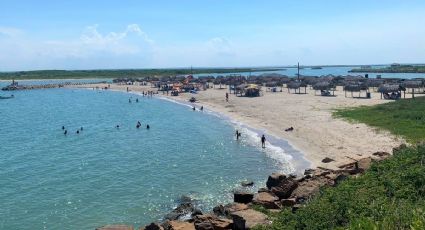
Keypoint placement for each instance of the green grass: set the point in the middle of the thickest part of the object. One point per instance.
(390, 195)
(405, 118)
(131, 73)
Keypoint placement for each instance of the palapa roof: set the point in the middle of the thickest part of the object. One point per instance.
(413, 84)
(295, 85)
(355, 87)
(323, 85)
(390, 88)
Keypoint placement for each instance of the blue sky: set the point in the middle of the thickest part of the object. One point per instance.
(159, 34)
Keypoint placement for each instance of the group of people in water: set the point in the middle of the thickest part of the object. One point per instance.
(263, 138)
(65, 131)
(140, 125)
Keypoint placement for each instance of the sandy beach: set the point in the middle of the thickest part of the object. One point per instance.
(316, 133)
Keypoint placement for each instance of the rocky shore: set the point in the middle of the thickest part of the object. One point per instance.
(282, 191)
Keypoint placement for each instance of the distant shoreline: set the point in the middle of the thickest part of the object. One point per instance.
(129, 73)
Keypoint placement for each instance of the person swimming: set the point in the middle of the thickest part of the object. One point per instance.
(81, 128)
(117, 127)
(78, 132)
(147, 126)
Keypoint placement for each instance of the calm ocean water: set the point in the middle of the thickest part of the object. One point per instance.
(106, 175)
(340, 70)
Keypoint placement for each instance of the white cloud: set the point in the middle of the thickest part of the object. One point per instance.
(125, 49)
(10, 31)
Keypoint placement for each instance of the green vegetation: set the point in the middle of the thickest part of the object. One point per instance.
(390, 195)
(392, 69)
(404, 118)
(129, 73)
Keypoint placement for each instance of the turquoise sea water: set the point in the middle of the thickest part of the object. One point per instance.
(106, 175)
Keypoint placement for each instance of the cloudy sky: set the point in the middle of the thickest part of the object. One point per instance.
(208, 33)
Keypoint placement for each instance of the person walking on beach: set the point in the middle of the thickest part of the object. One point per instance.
(227, 97)
(263, 141)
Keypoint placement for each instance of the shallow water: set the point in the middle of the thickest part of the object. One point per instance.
(106, 175)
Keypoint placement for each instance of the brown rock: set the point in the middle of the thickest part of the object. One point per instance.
(178, 225)
(327, 160)
(308, 188)
(247, 219)
(285, 188)
(116, 227)
(267, 200)
(153, 226)
(226, 210)
(206, 222)
(364, 163)
(288, 202)
(243, 197)
(275, 179)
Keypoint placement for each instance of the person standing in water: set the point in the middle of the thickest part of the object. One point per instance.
(66, 132)
(129, 100)
(202, 108)
(137, 100)
(63, 127)
(263, 141)
(238, 134)
(147, 126)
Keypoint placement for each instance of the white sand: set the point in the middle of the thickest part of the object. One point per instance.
(316, 133)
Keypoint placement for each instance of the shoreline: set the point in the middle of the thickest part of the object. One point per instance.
(298, 163)
(317, 134)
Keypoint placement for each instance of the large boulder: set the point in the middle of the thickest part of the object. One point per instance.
(178, 225)
(243, 197)
(228, 209)
(116, 227)
(310, 187)
(247, 219)
(207, 222)
(281, 185)
(285, 189)
(267, 200)
(275, 179)
(182, 212)
(152, 226)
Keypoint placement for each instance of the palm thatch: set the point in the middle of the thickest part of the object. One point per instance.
(323, 85)
(353, 87)
(295, 85)
(390, 88)
(413, 84)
